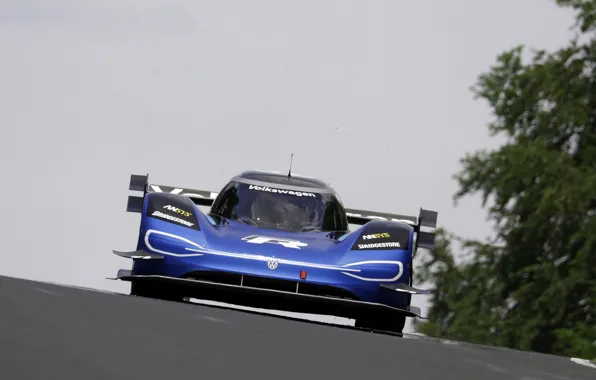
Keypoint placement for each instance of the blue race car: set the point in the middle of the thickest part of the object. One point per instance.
(276, 241)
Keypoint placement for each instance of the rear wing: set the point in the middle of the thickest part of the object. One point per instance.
(425, 218)
(141, 183)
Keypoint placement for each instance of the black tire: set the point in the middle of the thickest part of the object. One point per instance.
(394, 324)
(153, 291)
(381, 322)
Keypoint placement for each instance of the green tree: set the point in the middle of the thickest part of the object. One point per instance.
(534, 286)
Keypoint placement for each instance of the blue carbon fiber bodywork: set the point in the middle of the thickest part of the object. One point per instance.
(244, 249)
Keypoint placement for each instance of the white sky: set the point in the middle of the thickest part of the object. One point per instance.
(372, 96)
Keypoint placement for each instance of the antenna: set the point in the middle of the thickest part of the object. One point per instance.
(290, 171)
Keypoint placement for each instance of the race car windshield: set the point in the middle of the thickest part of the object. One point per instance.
(287, 210)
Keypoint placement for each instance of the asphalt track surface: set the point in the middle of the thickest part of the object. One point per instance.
(56, 332)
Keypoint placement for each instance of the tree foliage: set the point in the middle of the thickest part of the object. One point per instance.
(534, 286)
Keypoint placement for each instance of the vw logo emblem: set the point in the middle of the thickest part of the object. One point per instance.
(272, 263)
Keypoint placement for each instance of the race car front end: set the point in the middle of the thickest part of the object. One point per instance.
(362, 280)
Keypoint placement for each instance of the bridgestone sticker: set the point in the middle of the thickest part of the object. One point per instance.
(380, 245)
(280, 191)
(172, 218)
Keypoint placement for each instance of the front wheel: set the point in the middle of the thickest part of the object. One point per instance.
(394, 324)
(153, 291)
(381, 321)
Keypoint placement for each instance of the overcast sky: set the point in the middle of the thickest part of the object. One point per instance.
(372, 96)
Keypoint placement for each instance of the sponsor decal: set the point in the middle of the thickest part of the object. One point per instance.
(281, 191)
(376, 236)
(255, 239)
(177, 210)
(379, 245)
(384, 236)
(159, 214)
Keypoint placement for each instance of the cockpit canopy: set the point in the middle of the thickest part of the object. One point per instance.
(281, 207)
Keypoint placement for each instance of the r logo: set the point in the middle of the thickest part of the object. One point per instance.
(255, 239)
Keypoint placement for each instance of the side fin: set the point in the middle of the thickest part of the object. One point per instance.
(401, 287)
(140, 254)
